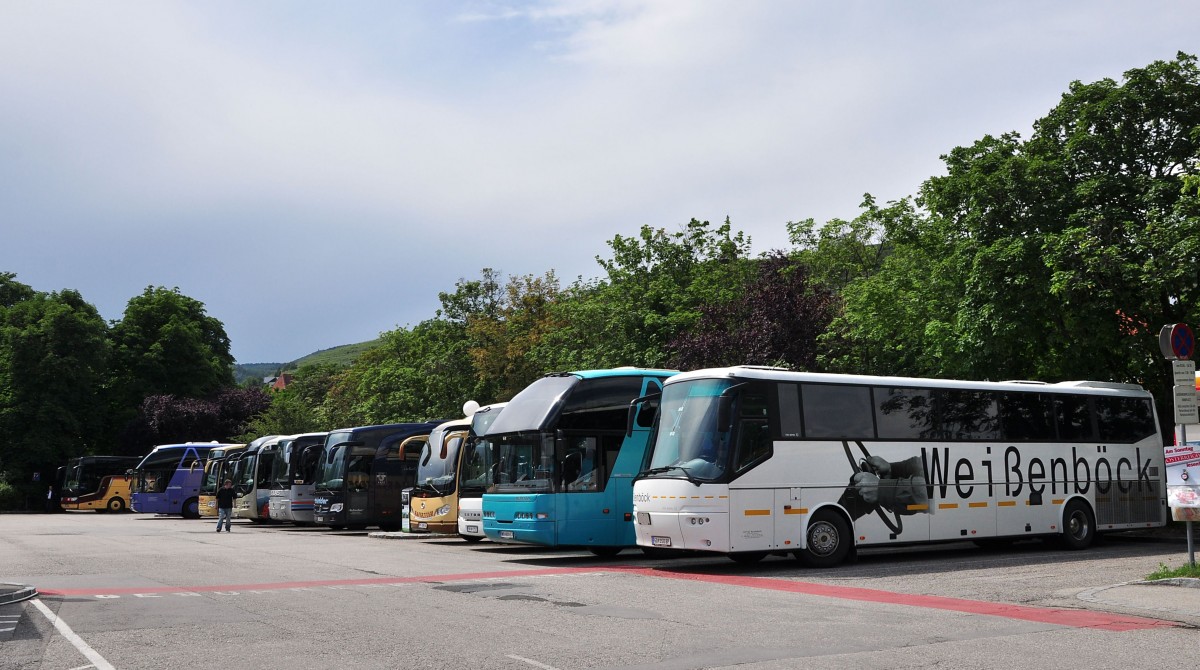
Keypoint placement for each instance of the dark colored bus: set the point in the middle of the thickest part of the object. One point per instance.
(362, 472)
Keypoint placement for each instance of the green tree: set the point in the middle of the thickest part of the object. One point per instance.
(1052, 258)
(840, 251)
(299, 408)
(413, 375)
(654, 286)
(166, 344)
(52, 366)
(503, 343)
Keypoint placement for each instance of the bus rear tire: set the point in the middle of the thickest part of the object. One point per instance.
(116, 505)
(1079, 526)
(827, 540)
(191, 508)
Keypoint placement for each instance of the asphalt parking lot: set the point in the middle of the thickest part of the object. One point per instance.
(137, 591)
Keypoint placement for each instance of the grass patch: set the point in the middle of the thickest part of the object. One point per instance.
(1164, 572)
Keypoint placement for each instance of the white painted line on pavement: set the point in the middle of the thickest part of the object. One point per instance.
(90, 654)
(532, 662)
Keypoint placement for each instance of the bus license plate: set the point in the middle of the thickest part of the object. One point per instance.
(506, 535)
(423, 525)
(660, 541)
(472, 529)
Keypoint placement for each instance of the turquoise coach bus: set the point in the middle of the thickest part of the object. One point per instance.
(564, 462)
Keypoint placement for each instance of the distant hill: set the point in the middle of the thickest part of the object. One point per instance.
(343, 355)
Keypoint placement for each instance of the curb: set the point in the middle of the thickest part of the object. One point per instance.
(13, 593)
(401, 535)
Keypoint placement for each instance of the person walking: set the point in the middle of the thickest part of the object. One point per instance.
(225, 498)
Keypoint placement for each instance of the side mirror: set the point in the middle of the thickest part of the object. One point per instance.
(725, 406)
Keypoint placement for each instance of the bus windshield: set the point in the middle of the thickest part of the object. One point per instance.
(435, 471)
(476, 473)
(331, 471)
(79, 479)
(524, 463)
(212, 471)
(279, 476)
(243, 472)
(689, 442)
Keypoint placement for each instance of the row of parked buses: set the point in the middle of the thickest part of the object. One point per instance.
(745, 461)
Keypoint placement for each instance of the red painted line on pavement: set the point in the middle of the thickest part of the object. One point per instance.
(1056, 616)
(1052, 615)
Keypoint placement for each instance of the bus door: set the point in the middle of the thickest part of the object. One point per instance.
(185, 482)
(357, 484)
(761, 517)
(396, 471)
(589, 512)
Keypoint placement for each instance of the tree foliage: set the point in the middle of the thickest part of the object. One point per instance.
(52, 368)
(1052, 258)
(165, 419)
(775, 320)
(654, 286)
(166, 344)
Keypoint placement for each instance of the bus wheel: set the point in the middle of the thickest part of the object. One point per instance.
(116, 505)
(747, 557)
(1079, 530)
(827, 539)
(605, 552)
(191, 508)
(471, 538)
(389, 527)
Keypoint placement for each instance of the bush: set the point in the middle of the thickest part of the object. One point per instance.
(9, 496)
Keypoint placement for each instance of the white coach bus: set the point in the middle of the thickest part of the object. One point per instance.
(750, 461)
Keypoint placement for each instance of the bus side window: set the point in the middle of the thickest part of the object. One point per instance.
(753, 442)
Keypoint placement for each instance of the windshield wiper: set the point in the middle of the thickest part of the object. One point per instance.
(667, 468)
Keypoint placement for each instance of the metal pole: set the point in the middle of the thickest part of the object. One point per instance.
(1191, 547)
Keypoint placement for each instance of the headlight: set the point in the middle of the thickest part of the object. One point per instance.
(335, 507)
(443, 510)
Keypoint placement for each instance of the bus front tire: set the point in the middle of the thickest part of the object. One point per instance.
(1079, 526)
(116, 505)
(471, 538)
(191, 508)
(605, 552)
(827, 540)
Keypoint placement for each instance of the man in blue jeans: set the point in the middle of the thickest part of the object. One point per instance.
(225, 498)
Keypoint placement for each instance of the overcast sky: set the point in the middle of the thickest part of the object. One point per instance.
(316, 172)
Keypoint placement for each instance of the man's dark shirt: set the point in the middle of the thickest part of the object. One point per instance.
(225, 498)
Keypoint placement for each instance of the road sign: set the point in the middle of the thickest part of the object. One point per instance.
(1176, 341)
(1185, 404)
(1184, 372)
